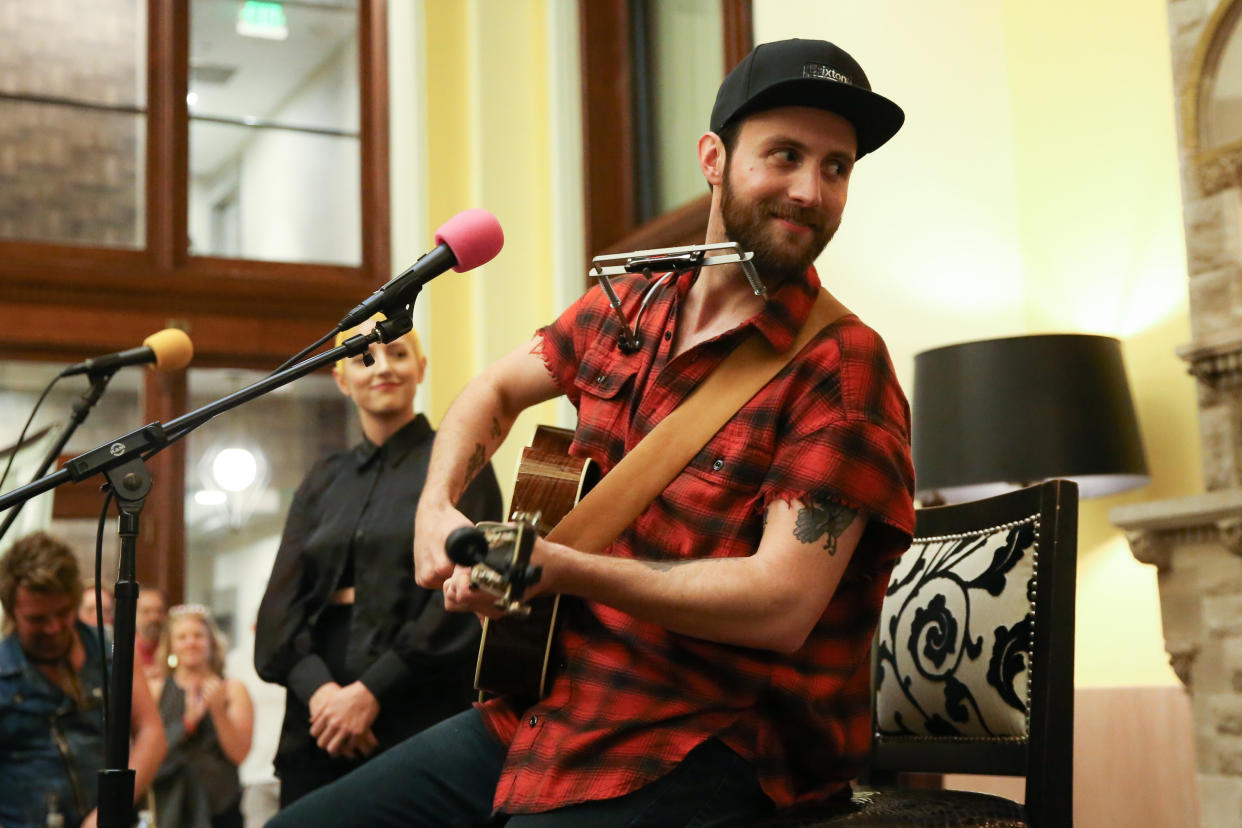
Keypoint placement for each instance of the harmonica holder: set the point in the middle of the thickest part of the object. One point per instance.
(669, 261)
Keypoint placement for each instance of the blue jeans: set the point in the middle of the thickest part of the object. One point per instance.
(447, 776)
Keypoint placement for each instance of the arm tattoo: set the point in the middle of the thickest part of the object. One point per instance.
(816, 521)
(495, 427)
(474, 464)
(661, 566)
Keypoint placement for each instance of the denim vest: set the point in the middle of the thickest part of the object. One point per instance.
(51, 749)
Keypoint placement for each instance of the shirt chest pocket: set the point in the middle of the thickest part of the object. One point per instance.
(605, 383)
(710, 508)
(737, 457)
(25, 715)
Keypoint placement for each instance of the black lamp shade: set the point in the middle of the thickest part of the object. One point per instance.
(997, 413)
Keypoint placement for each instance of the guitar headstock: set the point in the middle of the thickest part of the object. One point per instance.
(498, 555)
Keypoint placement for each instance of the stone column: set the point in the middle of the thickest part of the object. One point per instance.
(1196, 542)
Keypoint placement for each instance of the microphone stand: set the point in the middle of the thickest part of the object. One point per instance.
(81, 408)
(121, 461)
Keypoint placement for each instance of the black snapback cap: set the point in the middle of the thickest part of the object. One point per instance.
(807, 73)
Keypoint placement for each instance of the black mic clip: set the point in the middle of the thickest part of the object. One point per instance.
(398, 324)
(401, 290)
(385, 331)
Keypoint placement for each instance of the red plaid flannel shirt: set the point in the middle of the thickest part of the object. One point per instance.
(631, 698)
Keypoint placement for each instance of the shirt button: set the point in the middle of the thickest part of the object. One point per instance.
(534, 720)
(600, 379)
(718, 465)
(668, 335)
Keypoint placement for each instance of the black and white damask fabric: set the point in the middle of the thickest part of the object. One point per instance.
(954, 648)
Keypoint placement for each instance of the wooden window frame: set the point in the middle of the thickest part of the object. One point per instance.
(609, 197)
(66, 302)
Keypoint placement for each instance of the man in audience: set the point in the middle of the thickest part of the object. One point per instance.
(87, 612)
(149, 623)
(51, 695)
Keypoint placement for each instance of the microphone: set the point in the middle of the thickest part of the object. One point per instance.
(471, 238)
(170, 350)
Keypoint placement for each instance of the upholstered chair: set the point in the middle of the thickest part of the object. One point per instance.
(974, 667)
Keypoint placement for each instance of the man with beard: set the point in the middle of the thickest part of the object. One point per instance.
(149, 619)
(713, 662)
(51, 695)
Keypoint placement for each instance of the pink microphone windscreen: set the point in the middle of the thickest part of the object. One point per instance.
(474, 236)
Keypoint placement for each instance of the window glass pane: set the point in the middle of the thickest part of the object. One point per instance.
(118, 411)
(242, 469)
(92, 51)
(72, 121)
(274, 125)
(71, 175)
(686, 65)
(274, 194)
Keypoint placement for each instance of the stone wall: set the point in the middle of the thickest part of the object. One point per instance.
(1212, 199)
(1196, 542)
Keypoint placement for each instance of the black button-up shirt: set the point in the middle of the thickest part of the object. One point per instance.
(355, 509)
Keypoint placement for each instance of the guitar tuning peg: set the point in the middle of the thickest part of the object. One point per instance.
(466, 545)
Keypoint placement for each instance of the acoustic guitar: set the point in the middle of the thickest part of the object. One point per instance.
(516, 652)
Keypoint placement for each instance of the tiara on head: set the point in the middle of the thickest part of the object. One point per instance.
(189, 609)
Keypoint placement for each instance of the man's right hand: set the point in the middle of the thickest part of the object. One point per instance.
(432, 525)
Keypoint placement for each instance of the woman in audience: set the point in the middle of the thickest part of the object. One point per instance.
(208, 721)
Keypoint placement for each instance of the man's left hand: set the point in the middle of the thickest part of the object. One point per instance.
(459, 597)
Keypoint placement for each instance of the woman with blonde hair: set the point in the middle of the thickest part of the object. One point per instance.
(366, 655)
(208, 720)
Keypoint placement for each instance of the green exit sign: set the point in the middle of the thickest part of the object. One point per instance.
(261, 19)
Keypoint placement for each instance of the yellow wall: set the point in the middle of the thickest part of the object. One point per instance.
(450, 343)
(929, 251)
(1033, 189)
(488, 146)
(1102, 239)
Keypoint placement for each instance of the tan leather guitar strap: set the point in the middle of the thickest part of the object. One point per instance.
(644, 472)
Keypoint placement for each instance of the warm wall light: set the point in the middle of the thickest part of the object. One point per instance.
(233, 483)
(210, 497)
(234, 469)
(998, 413)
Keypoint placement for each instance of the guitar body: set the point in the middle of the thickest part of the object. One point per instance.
(516, 652)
